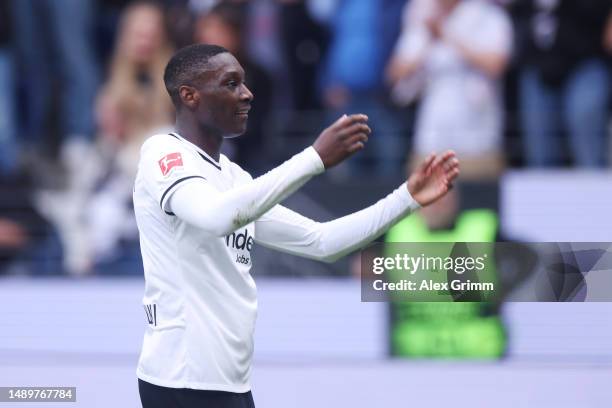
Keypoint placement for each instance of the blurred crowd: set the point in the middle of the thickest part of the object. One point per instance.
(505, 83)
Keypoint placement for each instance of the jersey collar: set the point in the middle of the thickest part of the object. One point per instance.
(201, 152)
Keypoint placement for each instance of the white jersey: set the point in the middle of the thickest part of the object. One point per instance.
(200, 299)
(199, 295)
(462, 106)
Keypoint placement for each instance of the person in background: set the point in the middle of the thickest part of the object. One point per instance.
(564, 82)
(352, 81)
(54, 44)
(29, 244)
(303, 39)
(8, 143)
(132, 103)
(94, 219)
(454, 52)
(223, 25)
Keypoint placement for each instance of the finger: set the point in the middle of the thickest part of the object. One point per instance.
(359, 137)
(453, 168)
(436, 164)
(356, 142)
(356, 118)
(440, 160)
(339, 123)
(450, 164)
(356, 128)
(426, 164)
(447, 155)
(356, 147)
(453, 175)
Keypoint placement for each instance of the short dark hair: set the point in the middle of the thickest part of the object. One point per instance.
(186, 65)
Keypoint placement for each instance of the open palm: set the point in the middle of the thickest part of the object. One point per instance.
(433, 177)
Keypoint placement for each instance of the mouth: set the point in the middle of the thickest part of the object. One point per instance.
(244, 112)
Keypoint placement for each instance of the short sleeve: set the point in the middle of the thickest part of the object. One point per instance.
(166, 164)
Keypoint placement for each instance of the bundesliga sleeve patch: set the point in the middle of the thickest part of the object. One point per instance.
(170, 161)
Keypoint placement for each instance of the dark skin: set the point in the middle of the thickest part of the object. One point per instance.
(217, 105)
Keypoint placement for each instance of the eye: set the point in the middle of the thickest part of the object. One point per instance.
(232, 83)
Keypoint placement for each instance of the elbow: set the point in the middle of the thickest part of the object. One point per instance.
(326, 253)
(319, 245)
(331, 258)
(328, 257)
(217, 229)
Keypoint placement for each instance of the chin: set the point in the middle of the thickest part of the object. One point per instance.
(235, 133)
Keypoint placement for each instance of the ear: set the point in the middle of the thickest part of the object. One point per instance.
(189, 96)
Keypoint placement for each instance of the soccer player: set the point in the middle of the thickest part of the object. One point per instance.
(199, 216)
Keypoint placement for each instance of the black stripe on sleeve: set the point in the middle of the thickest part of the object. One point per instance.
(171, 187)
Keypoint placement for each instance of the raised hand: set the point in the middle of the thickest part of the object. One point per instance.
(433, 177)
(342, 139)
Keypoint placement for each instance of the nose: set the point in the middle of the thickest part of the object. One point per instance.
(246, 95)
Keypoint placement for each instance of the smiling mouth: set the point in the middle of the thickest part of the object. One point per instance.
(244, 112)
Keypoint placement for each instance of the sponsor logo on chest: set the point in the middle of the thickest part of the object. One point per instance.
(241, 241)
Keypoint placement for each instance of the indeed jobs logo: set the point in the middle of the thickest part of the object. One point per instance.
(241, 241)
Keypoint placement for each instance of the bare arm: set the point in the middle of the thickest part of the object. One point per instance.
(399, 68)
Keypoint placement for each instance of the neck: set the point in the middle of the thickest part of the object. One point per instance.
(205, 137)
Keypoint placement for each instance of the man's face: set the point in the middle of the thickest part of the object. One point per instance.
(224, 99)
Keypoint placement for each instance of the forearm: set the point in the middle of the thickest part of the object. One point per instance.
(290, 232)
(220, 213)
(344, 235)
(399, 69)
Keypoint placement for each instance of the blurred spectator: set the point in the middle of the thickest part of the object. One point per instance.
(95, 220)
(564, 80)
(284, 38)
(352, 80)
(8, 150)
(54, 43)
(132, 105)
(263, 41)
(28, 244)
(133, 100)
(223, 25)
(180, 21)
(455, 52)
(303, 41)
